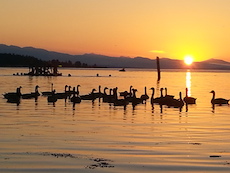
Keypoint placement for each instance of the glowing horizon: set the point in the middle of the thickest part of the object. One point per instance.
(169, 28)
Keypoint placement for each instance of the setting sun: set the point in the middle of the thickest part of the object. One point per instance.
(188, 60)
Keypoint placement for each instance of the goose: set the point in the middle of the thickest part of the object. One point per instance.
(31, 95)
(98, 94)
(152, 101)
(145, 96)
(78, 92)
(166, 94)
(176, 103)
(167, 99)
(105, 96)
(111, 98)
(218, 101)
(75, 99)
(128, 94)
(52, 98)
(90, 96)
(14, 99)
(69, 92)
(135, 100)
(62, 95)
(13, 95)
(187, 99)
(160, 99)
(47, 93)
(120, 102)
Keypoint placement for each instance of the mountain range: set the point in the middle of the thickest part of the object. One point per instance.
(108, 61)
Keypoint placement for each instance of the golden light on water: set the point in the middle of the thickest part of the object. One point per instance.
(188, 82)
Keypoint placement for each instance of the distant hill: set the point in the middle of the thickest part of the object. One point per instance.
(15, 60)
(108, 61)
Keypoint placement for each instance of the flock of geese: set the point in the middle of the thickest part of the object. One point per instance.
(114, 97)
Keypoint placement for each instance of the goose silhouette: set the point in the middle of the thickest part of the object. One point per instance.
(75, 99)
(189, 100)
(110, 98)
(128, 94)
(152, 96)
(166, 94)
(105, 96)
(160, 99)
(78, 92)
(52, 98)
(135, 100)
(31, 95)
(12, 95)
(176, 103)
(62, 95)
(90, 96)
(98, 94)
(218, 101)
(47, 93)
(145, 96)
(120, 102)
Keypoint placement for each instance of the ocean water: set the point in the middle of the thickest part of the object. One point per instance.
(37, 136)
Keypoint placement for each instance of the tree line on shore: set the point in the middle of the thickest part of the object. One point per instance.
(14, 60)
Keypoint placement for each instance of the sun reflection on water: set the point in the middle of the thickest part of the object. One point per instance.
(188, 82)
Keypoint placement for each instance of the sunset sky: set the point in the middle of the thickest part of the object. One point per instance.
(148, 28)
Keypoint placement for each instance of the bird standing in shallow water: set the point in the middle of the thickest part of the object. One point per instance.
(218, 101)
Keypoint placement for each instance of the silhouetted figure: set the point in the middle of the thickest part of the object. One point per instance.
(48, 93)
(13, 95)
(159, 100)
(189, 100)
(52, 98)
(152, 97)
(105, 96)
(120, 102)
(145, 96)
(62, 95)
(98, 94)
(75, 99)
(135, 100)
(176, 103)
(166, 94)
(31, 95)
(90, 96)
(218, 101)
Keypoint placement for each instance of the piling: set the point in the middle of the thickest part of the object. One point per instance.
(158, 70)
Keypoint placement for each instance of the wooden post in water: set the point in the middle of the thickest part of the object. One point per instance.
(158, 69)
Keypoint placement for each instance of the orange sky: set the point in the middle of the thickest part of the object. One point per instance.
(148, 28)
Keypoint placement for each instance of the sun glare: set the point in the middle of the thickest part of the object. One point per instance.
(188, 60)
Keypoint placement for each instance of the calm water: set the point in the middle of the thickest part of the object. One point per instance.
(42, 137)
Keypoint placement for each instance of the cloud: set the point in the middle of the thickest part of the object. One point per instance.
(157, 51)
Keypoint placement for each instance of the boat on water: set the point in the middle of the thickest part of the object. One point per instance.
(123, 69)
